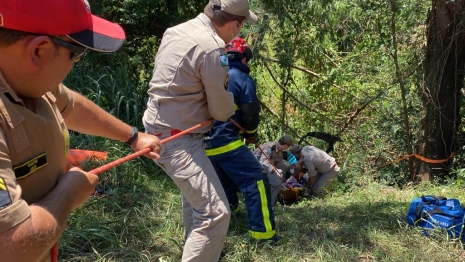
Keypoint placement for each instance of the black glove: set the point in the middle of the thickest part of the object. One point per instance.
(250, 138)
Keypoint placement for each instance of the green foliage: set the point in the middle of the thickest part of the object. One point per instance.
(144, 22)
(112, 86)
(144, 18)
(348, 46)
(336, 59)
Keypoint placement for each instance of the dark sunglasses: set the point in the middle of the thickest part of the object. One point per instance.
(76, 50)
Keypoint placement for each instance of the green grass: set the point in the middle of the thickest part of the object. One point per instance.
(141, 221)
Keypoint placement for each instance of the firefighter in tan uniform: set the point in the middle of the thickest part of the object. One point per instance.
(189, 87)
(37, 194)
(319, 164)
(274, 152)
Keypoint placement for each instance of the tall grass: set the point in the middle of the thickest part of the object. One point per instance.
(112, 84)
(140, 221)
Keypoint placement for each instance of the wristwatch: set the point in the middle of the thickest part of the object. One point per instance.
(135, 133)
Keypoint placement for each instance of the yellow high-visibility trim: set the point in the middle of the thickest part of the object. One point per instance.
(236, 107)
(224, 149)
(262, 235)
(269, 232)
(251, 131)
(2, 184)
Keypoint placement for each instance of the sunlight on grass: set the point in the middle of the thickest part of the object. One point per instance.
(142, 222)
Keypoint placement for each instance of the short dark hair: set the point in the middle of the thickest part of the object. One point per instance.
(10, 36)
(213, 11)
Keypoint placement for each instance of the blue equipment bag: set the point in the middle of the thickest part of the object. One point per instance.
(434, 213)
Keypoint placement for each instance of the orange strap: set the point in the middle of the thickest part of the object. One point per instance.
(422, 158)
(77, 156)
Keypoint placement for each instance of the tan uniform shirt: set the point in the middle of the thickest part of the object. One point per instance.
(189, 78)
(33, 148)
(271, 150)
(316, 160)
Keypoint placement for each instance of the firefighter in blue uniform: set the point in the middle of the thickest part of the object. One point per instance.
(234, 163)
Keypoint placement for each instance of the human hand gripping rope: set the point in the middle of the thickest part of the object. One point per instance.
(106, 167)
(117, 162)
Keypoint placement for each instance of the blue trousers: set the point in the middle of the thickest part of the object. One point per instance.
(240, 169)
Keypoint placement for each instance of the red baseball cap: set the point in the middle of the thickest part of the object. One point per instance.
(62, 17)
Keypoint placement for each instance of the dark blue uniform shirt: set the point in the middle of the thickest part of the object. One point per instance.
(244, 90)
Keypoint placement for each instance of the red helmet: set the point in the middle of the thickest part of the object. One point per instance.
(238, 48)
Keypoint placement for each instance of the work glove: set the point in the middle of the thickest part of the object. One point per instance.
(250, 138)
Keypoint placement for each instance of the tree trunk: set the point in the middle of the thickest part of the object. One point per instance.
(444, 73)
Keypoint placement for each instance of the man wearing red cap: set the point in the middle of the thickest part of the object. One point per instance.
(188, 88)
(39, 43)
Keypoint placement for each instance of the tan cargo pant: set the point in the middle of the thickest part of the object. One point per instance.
(323, 181)
(275, 183)
(205, 208)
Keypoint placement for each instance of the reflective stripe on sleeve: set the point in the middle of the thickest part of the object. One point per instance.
(224, 149)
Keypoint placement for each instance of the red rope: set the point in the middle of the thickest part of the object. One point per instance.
(106, 167)
(117, 162)
(54, 252)
(256, 145)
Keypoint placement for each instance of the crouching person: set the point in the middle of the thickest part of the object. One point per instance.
(319, 164)
(270, 156)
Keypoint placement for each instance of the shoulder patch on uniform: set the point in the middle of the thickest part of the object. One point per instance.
(224, 60)
(5, 198)
(25, 169)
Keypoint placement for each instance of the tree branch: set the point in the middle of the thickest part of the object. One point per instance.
(313, 108)
(277, 116)
(308, 71)
(359, 110)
